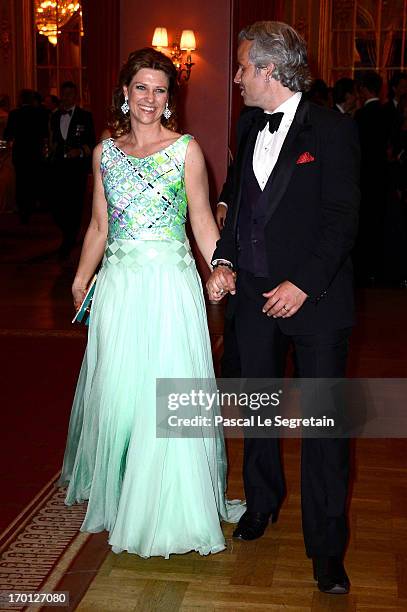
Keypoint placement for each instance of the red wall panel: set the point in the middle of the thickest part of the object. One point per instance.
(205, 98)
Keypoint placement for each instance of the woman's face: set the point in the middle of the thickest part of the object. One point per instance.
(147, 93)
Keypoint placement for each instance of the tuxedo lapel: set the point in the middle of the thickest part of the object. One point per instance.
(72, 124)
(296, 142)
(57, 124)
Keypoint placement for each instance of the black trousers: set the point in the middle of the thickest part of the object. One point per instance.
(324, 462)
(230, 362)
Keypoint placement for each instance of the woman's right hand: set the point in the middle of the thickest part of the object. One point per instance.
(78, 293)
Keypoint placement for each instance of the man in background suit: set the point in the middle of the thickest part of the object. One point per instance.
(391, 114)
(373, 177)
(27, 128)
(290, 227)
(72, 142)
(344, 96)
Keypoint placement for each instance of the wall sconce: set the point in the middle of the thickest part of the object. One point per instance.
(177, 50)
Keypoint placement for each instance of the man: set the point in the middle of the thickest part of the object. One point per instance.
(27, 128)
(51, 103)
(344, 96)
(229, 363)
(318, 93)
(290, 227)
(391, 115)
(72, 141)
(373, 177)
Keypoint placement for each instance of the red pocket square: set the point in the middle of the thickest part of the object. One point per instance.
(305, 158)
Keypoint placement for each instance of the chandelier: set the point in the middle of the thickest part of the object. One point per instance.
(52, 15)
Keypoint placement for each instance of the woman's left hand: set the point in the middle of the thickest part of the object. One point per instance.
(78, 293)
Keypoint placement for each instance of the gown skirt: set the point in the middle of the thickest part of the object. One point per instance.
(155, 496)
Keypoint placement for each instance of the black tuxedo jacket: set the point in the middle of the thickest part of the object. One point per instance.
(392, 118)
(373, 138)
(81, 134)
(312, 219)
(27, 127)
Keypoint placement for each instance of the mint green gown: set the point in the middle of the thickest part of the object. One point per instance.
(155, 496)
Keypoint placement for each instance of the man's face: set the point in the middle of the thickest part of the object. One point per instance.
(401, 89)
(253, 86)
(68, 97)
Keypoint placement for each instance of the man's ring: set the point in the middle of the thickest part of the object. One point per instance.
(285, 308)
(221, 291)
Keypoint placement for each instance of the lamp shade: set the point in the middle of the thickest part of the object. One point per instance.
(160, 38)
(188, 42)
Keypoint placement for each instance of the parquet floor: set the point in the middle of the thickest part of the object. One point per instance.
(273, 573)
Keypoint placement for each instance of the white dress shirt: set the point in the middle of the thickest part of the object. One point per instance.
(371, 100)
(268, 146)
(65, 121)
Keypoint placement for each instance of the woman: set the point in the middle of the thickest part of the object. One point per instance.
(156, 496)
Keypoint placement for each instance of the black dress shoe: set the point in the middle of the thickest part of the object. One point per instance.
(251, 526)
(331, 575)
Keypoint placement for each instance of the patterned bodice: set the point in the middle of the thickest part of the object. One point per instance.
(146, 196)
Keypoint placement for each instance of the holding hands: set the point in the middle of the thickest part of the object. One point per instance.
(283, 301)
(221, 281)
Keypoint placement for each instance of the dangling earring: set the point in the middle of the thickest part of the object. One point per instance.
(167, 113)
(125, 106)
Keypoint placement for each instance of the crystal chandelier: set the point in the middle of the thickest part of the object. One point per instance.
(52, 15)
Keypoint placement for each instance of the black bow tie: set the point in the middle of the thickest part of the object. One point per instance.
(67, 112)
(273, 121)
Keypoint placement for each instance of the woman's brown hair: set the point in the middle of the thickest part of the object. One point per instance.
(143, 58)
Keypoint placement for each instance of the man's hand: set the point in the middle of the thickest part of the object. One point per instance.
(221, 212)
(284, 300)
(220, 282)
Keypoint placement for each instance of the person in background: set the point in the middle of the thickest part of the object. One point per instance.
(27, 129)
(318, 93)
(7, 179)
(4, 112)
(374, 178)
(51, 103)
(392, 117)
(72, 139)
(344, 96)
(394, 260)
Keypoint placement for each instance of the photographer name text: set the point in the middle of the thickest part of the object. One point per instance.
(254, 420)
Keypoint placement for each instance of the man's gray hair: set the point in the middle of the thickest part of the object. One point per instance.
(278, 43)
